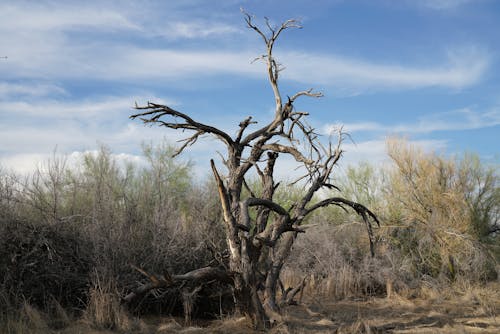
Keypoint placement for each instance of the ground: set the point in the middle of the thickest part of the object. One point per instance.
(470, 311)
(376, 315)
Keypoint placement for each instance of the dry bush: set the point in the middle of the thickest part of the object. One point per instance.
(152, 217)
(63, 228)
(443, 208)
(435, 213)
(62, 224)
(43, 263)
(337, 263)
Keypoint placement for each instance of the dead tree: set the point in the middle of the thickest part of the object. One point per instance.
(258, 247)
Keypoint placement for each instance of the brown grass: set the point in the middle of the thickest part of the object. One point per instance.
(460, 308)
(104, 310)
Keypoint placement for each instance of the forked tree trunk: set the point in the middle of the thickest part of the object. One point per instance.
(259, 246)
(248, 303)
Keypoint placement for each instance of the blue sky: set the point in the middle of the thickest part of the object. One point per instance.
(428, 70)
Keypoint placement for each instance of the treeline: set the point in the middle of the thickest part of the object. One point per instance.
(72, 236)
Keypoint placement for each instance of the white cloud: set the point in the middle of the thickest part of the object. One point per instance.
(374, 151)
(445, 4)
(174, 64)
(45, 40)
(196, 29)
(456, 120)
(23, 163)
(72, 125)
(124, 62)
(27, 163)
(52, 17)
(40, 45)
(75, 158)
(463, 68)
(31, 89)
(79, 126)
(90, 109)
(57, 109)
(462, 119)
(353, 127)
(73, 141)
(49, 19)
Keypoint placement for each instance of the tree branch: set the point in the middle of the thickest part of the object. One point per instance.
(231, 224)
(197, 275)
(361, 210)
(308, 92)
(155, 112)
(290, 150)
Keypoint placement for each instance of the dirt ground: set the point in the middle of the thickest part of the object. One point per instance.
(470, 313)
(473, 311)
(394, 316)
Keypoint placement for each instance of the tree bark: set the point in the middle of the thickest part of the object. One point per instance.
(258, 247)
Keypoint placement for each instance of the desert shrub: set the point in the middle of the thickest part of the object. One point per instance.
(65, 224)
(480, 183)
(44, 262)
(336, 261)
(439, 216)
(69, 234)
(8, 196)
(152, 217)
(444, 208)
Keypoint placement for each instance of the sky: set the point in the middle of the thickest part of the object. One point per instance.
(71, 72)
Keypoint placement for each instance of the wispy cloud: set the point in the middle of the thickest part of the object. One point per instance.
(196, 29)
(79, 125)
(456, 120)
(47, 40)
(131, 62)
(27, 163)
(375, 151)
(445, 4)
(73, 125)
(463, 68)
(58, 17)
(41, 45)
(57, 52)
(171, 63)
(30, 89)
(86, 109)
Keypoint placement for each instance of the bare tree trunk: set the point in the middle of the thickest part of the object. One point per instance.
(258, 247)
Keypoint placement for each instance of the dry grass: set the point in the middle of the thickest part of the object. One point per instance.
(27, 320)
(104, 310)
(461, 308)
